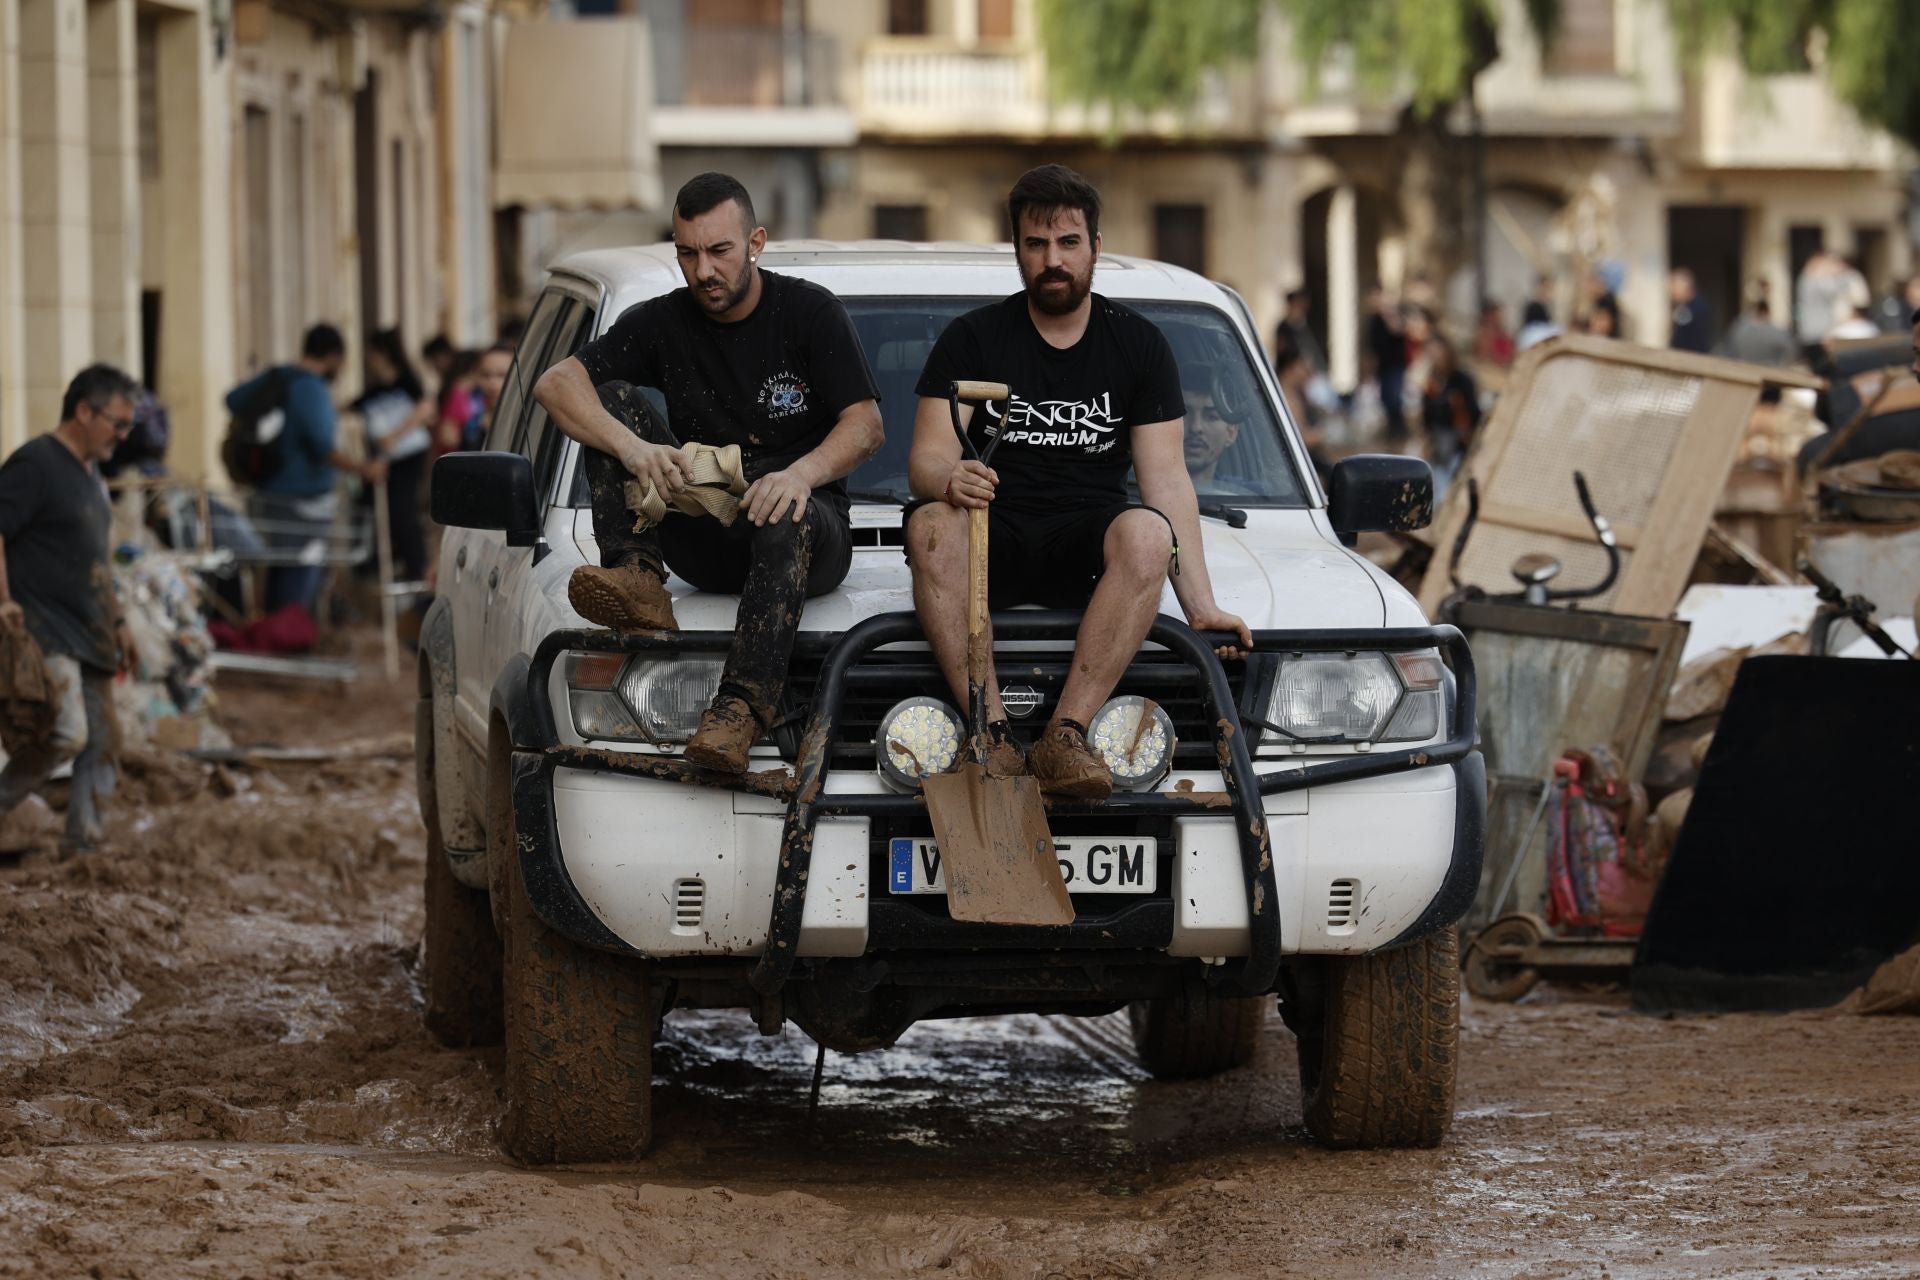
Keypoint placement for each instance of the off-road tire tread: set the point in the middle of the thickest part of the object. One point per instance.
(1388, 1049)
(579, 1037)
(1191, 1037)
(459, 950)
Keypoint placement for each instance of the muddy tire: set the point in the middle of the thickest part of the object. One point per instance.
(1196, 1034)
(1378, 1069)
(460, 952)
(579, 1031)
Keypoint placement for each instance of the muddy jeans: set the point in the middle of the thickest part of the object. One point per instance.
(773, 567)
(83, 733)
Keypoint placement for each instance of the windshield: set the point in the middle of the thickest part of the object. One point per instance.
(1234, 453)
(1234, 448)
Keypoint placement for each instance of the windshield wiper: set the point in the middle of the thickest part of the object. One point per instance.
(1234, 516)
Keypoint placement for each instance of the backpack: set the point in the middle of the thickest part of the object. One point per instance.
(256, 436)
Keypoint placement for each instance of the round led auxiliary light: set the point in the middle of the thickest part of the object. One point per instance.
(918, 737)
(1135, 737)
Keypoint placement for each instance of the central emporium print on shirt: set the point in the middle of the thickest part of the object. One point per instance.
(1080, 424)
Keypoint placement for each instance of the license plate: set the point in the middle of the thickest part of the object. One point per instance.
(1089, 864)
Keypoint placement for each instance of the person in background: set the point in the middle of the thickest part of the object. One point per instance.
(1296, 330)
(1536, 326)
(1492, 344)
(1291, 370)
(1756, 339)
(1387, 344)
(1449, 405)
(398, 418)
(1692, 318)
(458, 402)
(1902, 300)
(56, 533)
(489, 380)
(294, 507)
(1603, 318)
(1819, 299)
(1857, 322)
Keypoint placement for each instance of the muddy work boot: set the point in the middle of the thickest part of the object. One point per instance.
(628, 598)
(1005, 759)
(1065, 765)
(728, 729)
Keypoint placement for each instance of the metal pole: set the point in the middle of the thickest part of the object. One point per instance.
(383, 547)
(1480, 286)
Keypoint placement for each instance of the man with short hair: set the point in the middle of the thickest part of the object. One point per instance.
(1209, 432)
(55, 536)
(746, 358)
(1062, 530)
(294, 507)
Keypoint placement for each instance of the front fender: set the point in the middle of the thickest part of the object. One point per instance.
(458, 771)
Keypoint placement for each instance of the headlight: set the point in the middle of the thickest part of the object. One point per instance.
(917, 738)
(597, 710)
(1135, 737)
(668, 695)
(1363, 697)
(657, 700)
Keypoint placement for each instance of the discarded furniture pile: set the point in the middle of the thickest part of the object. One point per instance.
(1643, 652)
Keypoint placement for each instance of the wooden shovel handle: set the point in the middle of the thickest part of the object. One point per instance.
(968, 390)
(979, 642)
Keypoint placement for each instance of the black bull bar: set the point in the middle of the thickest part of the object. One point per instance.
(807, 801)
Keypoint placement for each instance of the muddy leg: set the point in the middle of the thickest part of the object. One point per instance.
(606, 481)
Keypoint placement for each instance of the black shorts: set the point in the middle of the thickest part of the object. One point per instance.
(1050, 558)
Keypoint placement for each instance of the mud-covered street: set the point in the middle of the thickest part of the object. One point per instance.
(211, 1064)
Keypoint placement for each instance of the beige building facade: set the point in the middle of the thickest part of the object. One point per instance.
(186, 187)
(1604, 154)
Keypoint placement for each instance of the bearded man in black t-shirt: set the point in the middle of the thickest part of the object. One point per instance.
(1095, 391)
(743, 357)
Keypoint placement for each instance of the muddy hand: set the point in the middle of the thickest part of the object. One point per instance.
(667, 468)
(773, 495)
(971, 484)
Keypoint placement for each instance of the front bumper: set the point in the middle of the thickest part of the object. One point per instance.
(785, 861)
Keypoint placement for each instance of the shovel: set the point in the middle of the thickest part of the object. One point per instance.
(991, 832)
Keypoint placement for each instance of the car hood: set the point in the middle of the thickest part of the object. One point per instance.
(1279, 571)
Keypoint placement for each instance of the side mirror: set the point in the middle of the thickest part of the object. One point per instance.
(487, 491)
(1380, 493)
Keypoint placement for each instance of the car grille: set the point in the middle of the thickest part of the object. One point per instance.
(883, 679)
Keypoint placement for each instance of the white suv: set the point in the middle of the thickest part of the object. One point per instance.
(1313, 830)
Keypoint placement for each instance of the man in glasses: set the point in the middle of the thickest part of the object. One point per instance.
(55, 577)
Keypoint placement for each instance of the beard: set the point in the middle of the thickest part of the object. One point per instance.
(730, 295)
(1057, 302)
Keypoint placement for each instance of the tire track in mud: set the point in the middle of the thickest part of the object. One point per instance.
(211, 1064)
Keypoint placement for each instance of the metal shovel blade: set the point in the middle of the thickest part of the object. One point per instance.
(995, 849)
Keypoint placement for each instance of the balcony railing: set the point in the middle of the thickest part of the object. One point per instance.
(921, 87)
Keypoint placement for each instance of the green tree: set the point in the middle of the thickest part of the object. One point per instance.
(1869, 49)
(1148, 55)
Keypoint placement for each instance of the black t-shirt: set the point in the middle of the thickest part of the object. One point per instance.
(57, 526)
(1067, 438)
(774, 383)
